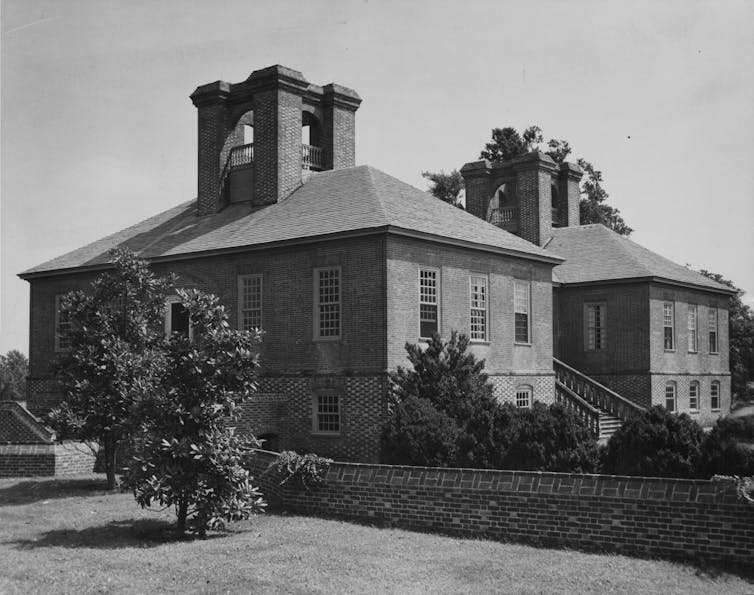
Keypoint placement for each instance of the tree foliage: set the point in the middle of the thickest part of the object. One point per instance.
(657, 443)
(446, 187)
(112, 361)
(14, 367)
(740, 338)
(728, 449)
(507, 143)
(444, 414)
(184, 454)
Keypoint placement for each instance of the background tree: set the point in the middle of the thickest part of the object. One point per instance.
(184, 453)
(507, 143)
(741, 338)
(446, 187)
(728, 449)
(14, 368)
(112, 361)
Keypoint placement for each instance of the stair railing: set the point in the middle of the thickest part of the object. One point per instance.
(570, 400)
(594, 393)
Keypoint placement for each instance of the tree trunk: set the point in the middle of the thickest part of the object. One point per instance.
(110, 456)
(182, 514)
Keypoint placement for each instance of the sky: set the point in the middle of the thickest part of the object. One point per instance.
(98, 132)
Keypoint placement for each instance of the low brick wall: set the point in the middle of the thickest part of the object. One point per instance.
(45, 460)
(681, 519)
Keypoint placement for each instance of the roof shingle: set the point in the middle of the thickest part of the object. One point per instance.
(331, 202)
(595, 253)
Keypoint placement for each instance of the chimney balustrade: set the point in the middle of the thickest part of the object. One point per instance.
(503, 215)
(311, 157)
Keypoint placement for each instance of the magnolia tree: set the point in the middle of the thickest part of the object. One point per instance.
(184, 453)
(113, 360)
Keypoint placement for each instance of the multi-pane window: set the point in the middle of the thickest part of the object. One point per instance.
(428, 302)
(694, 396)
(327, 413)
(327, 298)
(523, 396)
(670, 396)
(715, 396)
(691, 326)
(478, 307)
(712, 326)
(668, 323)
(62, 325)
(521, 307)
(595, 327)
(250, 302)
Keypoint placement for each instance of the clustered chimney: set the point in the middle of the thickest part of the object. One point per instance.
(259, 139)
(528, 195)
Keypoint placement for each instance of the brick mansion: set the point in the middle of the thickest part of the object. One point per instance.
(342, 264)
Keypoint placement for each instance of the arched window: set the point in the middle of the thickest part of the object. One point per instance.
(248, 134)
(523, 396)
(501, 209)
(694, 396)
(715, 396)
(554, 196)
(670, 393)
(311, 142)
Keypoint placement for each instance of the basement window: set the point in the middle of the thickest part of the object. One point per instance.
(523, 396)
(670, 393)
(327, 413)
(715, 396)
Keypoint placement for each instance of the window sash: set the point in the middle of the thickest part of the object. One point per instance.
(523, 398)
(521, 310)
(327, 414)
(692, 326)
(428, 303)
(478, 307)
(668, 322)
(327, 297)
(595, 326)
(694, 396)
(249, 302)
(713, 329)
(62, 326)
(670, 397)
(715, 396)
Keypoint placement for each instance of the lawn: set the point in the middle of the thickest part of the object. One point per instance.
(69, 536)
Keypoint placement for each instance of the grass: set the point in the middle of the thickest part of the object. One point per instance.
(70, 536)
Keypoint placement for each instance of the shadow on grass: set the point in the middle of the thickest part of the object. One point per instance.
(35, 490)
(130, 533)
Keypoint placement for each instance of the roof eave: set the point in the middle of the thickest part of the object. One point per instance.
(550, 259)
(648, 279)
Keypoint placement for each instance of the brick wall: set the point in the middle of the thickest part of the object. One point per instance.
(501, 353)
(30, 460)
(683, 519)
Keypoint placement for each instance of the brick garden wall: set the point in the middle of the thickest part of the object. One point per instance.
(45, 460)
(684, 519)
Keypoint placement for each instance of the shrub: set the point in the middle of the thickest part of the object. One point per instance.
(309, 469)
(655, 444)
(549, 439)
(728, 449)
(418, 434)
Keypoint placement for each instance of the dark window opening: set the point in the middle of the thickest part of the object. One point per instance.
(179, 319)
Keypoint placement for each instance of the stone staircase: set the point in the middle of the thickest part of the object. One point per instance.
(602, 409)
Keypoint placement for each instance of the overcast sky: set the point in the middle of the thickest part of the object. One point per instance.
(98, 131)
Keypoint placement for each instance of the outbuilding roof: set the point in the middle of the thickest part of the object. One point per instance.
(596, 254)
(330, 204)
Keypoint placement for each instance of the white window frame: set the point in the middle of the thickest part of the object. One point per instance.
(591, 328)
(243, 311)
(317, 411)
(692, 328)
(425, 302)
(714, 394)
(713, 325)
(516, 303)
(317, 327)
(524, 396)
(665, 319)
(671, 395)
(61, 327)
(694, 396)
(479, 308)
(169, 301)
